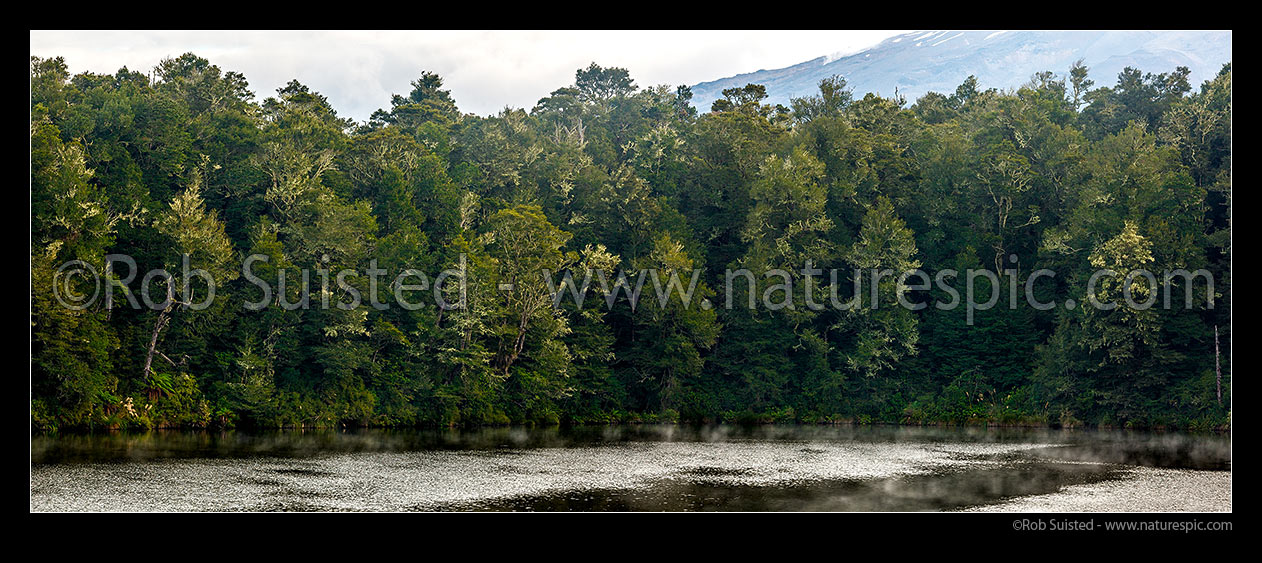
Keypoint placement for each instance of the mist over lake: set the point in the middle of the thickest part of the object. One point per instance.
(636, 468)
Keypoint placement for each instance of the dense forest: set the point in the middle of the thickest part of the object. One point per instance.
(184, 164)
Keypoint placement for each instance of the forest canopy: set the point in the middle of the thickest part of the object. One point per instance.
(184, 165)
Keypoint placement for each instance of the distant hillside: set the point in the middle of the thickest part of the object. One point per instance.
(926, 61)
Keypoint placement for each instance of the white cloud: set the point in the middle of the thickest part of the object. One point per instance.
(485, 70)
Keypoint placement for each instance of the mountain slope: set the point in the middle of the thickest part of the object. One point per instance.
(925, 61)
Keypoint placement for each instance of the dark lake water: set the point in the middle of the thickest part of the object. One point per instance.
(635, 468)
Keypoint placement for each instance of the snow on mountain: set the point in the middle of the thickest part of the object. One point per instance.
(925, 61)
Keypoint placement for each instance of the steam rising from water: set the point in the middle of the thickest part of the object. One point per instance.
(629, 468)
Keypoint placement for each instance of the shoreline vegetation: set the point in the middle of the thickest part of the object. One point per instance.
(184, 167)
(670, 418)
(742, 422)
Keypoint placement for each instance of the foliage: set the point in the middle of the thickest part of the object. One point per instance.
(184, 166)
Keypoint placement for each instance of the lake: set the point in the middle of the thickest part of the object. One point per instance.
(635, 468)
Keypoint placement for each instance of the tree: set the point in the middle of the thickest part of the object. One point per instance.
(833, 98)
(527, 247)
(426, 103)
(1081, 84)
(882, 332)
(599, 84)
(200, 243)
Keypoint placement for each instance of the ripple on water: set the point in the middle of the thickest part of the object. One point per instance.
(1140, 489)
(433, 479)
(722, 472)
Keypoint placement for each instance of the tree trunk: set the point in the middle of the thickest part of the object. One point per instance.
(1218, 370)
(158, 325)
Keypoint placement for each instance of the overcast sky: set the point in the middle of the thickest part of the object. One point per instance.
(485, 70)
